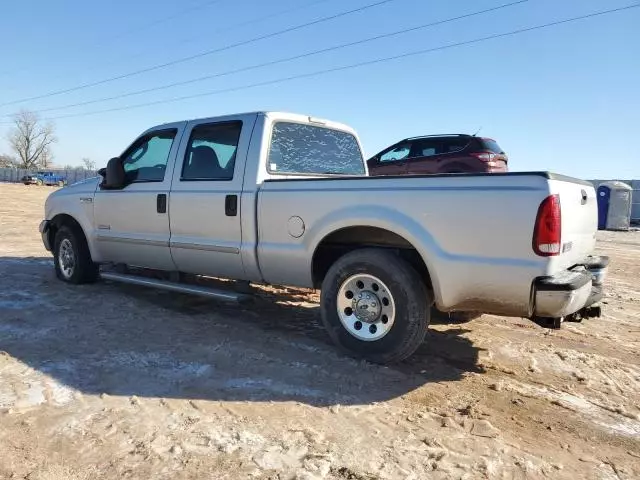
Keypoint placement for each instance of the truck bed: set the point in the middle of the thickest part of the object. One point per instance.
(473, 231)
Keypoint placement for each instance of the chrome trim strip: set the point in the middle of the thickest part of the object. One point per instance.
(206, 248)
(135, 241)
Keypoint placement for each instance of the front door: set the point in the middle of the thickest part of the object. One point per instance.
(132, 224)
(206, 235)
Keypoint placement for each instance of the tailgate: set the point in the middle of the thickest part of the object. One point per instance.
(579, 209)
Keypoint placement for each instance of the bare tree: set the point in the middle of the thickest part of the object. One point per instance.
(89, 164)
(7, 161)
(31, 139)
(46, 158)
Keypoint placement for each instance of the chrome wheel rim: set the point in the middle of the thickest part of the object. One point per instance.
(366, 307)
(66, 258)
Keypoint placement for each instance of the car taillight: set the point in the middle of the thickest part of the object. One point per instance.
(547, 232)
(484, 156)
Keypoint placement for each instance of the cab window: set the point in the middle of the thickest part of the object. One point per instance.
(211, 153)
(146, 160)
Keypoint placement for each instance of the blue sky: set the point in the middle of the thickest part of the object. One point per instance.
(564, 99)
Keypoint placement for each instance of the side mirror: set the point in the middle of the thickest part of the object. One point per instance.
(113, 175)
(372, 162)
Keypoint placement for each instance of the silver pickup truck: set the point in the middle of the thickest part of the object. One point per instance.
(285, 199)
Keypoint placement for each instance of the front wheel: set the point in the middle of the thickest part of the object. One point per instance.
(72, 258)
(375, 305)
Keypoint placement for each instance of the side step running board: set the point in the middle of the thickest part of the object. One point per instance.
(227, 296)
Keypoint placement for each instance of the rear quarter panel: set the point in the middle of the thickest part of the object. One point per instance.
(473, 232)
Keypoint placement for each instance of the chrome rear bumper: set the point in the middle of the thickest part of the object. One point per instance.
(570, 291)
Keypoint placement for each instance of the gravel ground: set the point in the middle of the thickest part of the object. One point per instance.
(113, 381)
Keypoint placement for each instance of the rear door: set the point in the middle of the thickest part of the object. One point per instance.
(206, 234)
(423, 157)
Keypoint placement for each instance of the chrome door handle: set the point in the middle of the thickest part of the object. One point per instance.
(86, 200)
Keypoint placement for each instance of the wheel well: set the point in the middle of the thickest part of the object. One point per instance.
(345, 240)
(63, 220)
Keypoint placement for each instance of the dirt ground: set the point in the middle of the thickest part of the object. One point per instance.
(112, 381)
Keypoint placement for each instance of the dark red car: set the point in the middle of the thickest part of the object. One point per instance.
(440, 154)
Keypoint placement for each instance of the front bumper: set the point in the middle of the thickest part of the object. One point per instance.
(569, 292)
(44, 232)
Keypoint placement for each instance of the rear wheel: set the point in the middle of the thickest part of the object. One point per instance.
(72, 259)
(375, 306)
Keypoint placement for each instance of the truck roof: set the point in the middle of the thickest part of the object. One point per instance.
(274, 115)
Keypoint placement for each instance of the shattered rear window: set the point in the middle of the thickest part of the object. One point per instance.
(298, 148)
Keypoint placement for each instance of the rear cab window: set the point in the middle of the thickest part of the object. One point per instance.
(211, 152)
(304, 149)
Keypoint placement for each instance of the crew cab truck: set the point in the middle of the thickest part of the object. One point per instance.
(277, 198)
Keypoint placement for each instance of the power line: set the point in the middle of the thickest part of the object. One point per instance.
(201, 54)
(210, 33)
(357, 65)
(166, 19)
(283, 60)
(145, 26)
(360, 64)
(218, 31)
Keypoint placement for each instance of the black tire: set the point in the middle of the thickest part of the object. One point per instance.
(411, 297)
(83, 270)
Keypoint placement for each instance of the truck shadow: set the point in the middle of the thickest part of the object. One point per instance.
(123, 340)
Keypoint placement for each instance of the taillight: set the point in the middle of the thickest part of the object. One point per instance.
(484, 156)
(548, 229)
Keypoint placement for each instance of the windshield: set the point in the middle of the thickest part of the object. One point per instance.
(298, 148)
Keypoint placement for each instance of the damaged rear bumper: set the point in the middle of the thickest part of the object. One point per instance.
(571, 292)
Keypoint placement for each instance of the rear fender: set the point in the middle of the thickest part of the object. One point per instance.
(385, 219)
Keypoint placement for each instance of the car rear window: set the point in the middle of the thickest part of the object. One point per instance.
(490, 145)
(298, 148)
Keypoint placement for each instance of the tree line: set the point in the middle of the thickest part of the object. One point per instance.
(31, 141)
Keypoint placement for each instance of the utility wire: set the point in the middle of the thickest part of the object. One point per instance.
(145, 26)
(356, 65)
(166, 19)
(360, 64)
(201, 54)
(282, 60)
(235, 26)
(210, 33)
